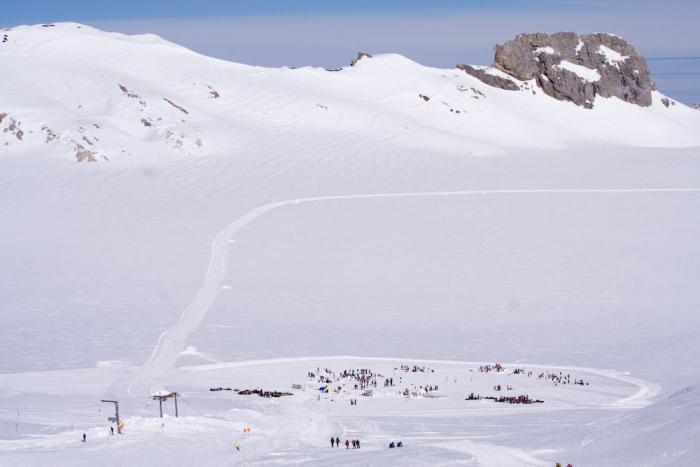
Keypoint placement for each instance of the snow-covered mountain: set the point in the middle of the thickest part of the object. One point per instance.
(76, 92)
(247, 227)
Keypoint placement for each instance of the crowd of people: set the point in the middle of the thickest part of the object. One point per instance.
(367, 381)
(522, 399)
(363, 378)
(497, 367)
(559, 378)
(262, 393)
(421, 390)
(415, 369)
(555, 377)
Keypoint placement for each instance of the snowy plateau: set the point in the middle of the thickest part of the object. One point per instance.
(387, 253)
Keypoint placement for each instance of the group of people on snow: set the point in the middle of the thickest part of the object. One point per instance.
(522, 399)
(415, 369)
(559, 378)
(497, 367)
(367, 380)
(335, 443)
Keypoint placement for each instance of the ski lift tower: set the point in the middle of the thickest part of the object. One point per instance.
(164, 396)
(115, 419)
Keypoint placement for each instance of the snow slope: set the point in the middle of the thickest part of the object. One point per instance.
(328, 214)
(173, 342)
(74, 91)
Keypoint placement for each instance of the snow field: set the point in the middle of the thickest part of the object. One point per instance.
(296, 428)
(307, 212)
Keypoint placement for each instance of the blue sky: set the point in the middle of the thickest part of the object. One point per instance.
(64, 10)
(435, 32)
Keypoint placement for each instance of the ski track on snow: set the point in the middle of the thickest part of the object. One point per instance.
(174, 340)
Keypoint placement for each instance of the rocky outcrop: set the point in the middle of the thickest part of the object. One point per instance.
(359, 57)
(82, 154)
(13, 127)
(178, 107)
(573, 68)
(493, 80)
(697, 106)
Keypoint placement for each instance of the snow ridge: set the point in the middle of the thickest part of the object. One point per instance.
(139, 99)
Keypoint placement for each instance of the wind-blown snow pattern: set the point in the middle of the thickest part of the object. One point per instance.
(173, 222)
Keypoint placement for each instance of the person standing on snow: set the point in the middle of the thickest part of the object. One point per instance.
(332, 442)
(84, 438)
(337, 442)
(347, 444)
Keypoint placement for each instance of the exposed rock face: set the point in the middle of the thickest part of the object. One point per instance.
(697, 106)
(178, 107)
(492, 80)
(82, 154)
(359, 57)
(574, 68)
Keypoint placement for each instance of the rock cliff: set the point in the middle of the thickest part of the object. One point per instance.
(572, 68)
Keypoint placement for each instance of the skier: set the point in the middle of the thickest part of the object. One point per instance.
(332, 442)
(111, 430)
(347, 444)
(358, 444)
(84, 438)
(337, 442)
